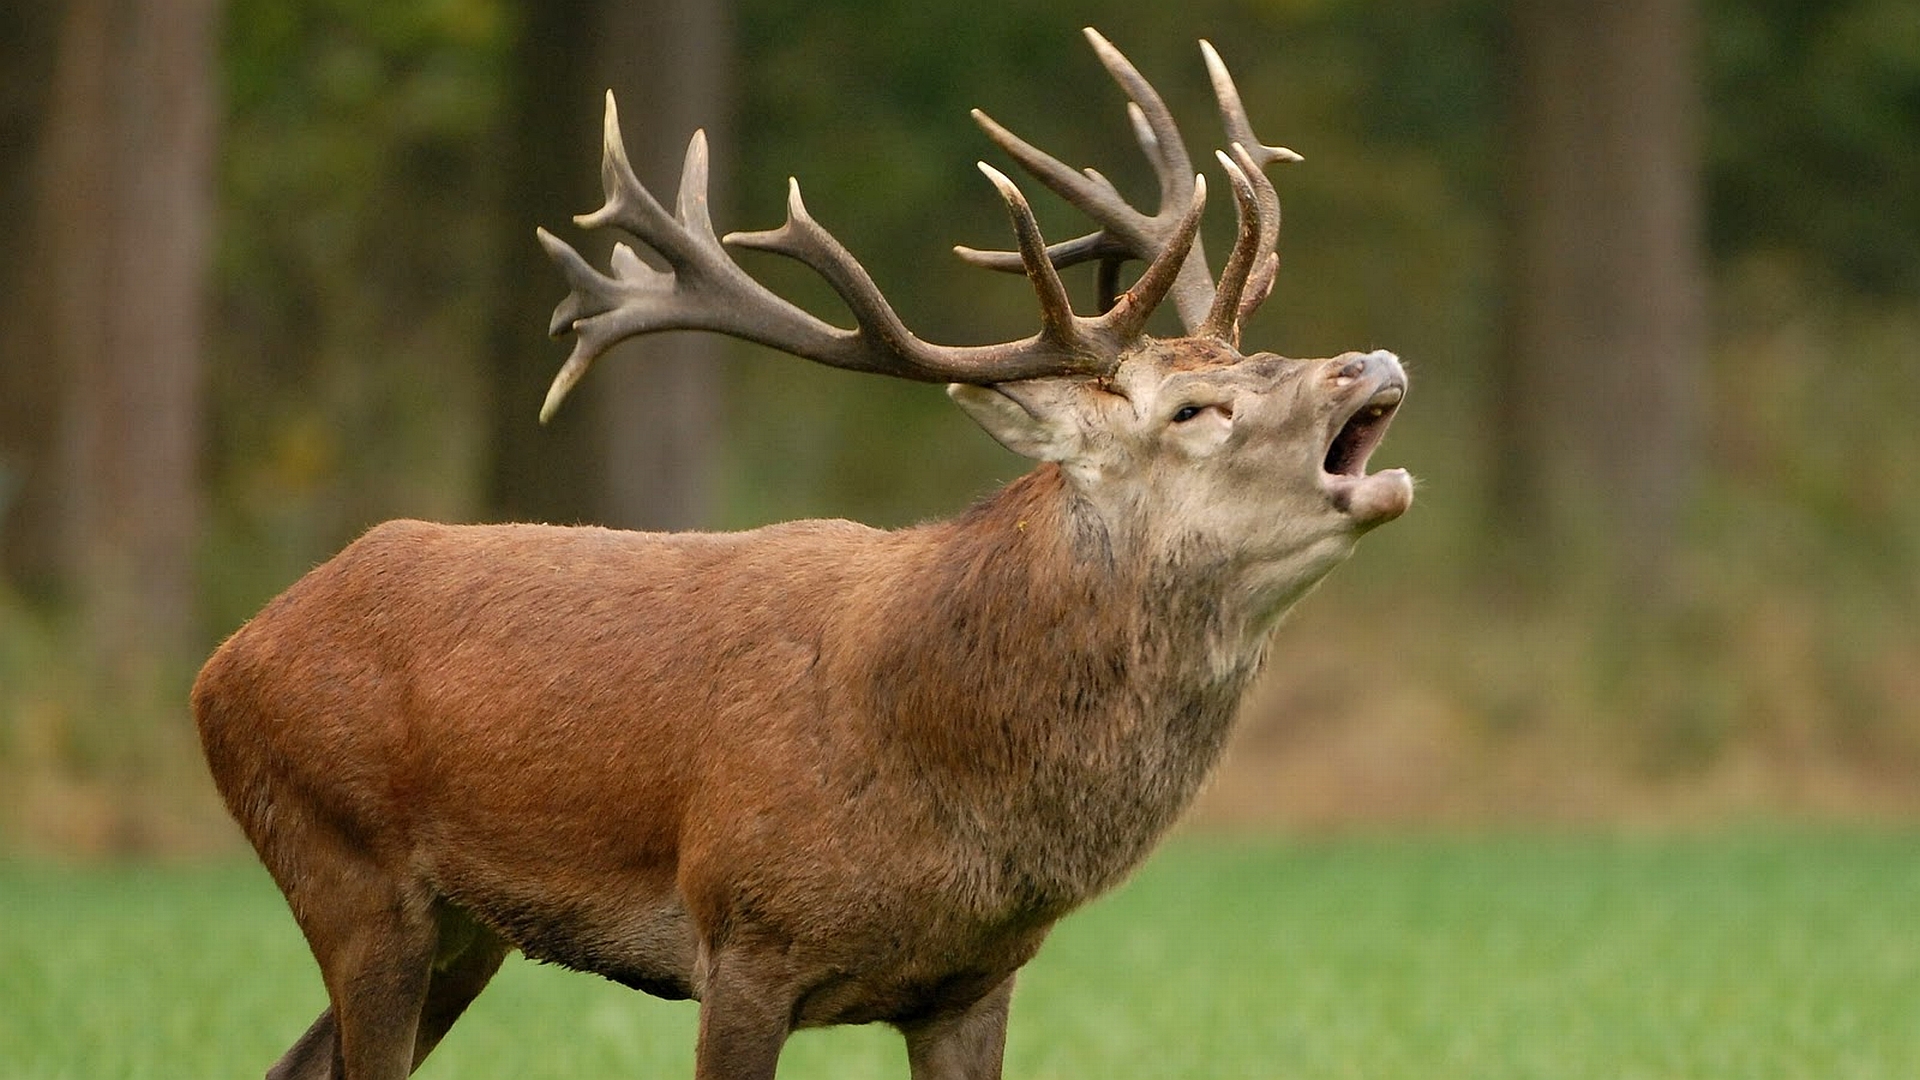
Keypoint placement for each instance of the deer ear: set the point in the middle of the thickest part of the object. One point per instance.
(1042, 436)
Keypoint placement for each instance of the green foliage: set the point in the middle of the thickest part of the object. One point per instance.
(1755, 954)
(90, 769)
(1812, 136)
(355, 269)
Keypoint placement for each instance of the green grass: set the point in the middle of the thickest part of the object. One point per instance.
(1746, 955)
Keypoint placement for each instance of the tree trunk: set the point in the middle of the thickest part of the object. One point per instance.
(1605, 336)
(30, 372)
(634, 445)
(127, 202)
(541, 473)
(658, 413)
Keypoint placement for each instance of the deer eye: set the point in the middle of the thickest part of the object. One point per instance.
(1188, 412)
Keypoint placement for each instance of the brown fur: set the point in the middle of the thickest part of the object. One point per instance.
(815, 773)
(897, 759)
(811, 774)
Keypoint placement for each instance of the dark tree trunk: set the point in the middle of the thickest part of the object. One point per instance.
(127, 200)
(30, 372)
(542, 474)
(1605, 349)
(634, 445)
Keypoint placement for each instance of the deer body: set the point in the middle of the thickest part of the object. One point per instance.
(837, 758)
(815, 773)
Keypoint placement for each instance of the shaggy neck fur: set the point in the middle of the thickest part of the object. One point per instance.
(1060, 707)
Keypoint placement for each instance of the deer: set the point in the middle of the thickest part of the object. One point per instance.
(814, 773)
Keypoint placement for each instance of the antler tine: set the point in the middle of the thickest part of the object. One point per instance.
(1125, 232)
(593, 295)
(704, 289)
(1233, 114)
(627, 202)
(803, 239)
(1056, 312)
(1125, 319)
(1088, 191)
(1129, 313)
(1223, 318)
(1153, 124)
(1066, 344)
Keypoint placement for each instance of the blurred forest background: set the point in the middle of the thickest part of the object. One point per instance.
(1654, 265)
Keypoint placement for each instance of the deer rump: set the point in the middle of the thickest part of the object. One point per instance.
(546, 732)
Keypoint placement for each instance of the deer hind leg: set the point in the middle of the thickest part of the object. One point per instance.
(467, 957)
(374, 935)
(314, 1056)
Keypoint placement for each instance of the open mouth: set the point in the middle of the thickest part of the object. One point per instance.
(1366, 499)
(1353, 444)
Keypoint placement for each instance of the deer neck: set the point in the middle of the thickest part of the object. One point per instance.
(1070, 693)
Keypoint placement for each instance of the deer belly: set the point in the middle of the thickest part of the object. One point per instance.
(637, 934)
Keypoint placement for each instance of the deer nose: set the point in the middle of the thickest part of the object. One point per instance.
(1379, 363)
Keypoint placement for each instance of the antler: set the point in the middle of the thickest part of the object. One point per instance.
(1129, 233)
(704, 289)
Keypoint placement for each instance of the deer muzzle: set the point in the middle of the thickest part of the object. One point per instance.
(1368, 389)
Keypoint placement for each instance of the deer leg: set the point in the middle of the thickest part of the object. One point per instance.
(374, 936)
(378, 981)
(963, 1046)
(468, 957)
(745, 1018)
(313, 1056)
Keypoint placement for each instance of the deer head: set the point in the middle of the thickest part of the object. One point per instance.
(1180, 440)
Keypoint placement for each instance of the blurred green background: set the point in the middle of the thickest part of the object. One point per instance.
(1654, 266)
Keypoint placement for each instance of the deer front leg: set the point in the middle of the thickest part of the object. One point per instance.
(746, 1014)
(965, 1046)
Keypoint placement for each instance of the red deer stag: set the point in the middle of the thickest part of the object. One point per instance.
(815, 773)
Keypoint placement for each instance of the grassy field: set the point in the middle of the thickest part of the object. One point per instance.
(1742, 955)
